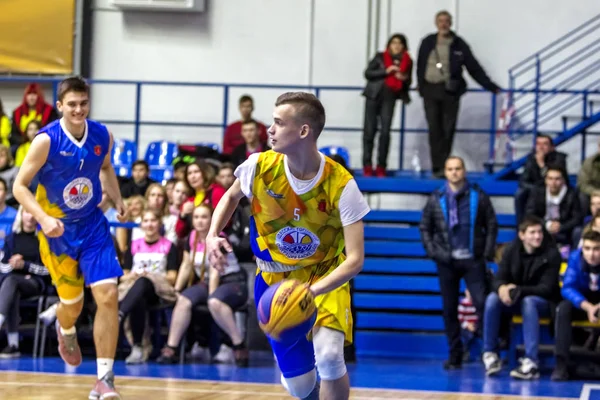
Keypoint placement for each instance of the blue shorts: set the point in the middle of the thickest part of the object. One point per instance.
(84, 255)
(294, 359)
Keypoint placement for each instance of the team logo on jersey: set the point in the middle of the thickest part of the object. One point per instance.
(274, 195)
(97, 150)
(78, 193)
(296, 243)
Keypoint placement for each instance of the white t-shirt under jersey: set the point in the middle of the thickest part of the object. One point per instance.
(353, 206)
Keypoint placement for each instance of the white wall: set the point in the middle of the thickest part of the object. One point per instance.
(283, 42)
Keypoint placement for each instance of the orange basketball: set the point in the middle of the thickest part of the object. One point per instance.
(287, 311)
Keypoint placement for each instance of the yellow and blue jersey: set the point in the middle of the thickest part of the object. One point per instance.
(69, 182)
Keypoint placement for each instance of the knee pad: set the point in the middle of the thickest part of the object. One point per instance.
(329, 353)
(300, 386)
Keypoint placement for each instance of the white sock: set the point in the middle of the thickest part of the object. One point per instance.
(105, 365)
(13, 339)
(70, 331)
(2, 318)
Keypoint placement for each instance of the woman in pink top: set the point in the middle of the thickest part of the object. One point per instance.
(150, 267)
(222, 292)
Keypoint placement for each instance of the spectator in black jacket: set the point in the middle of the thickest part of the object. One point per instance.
(557, 204)
(442, 56)
(458, 229)
(527, 284)
(535, 169)
(252, 143)
(389, 76)
(140, 180)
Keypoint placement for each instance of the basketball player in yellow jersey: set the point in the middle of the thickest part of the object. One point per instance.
(306, 210)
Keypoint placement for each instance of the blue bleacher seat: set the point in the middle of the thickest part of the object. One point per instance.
(213, 146)
(161, 174)
(339, 150)
(124, 154)
(161, 153)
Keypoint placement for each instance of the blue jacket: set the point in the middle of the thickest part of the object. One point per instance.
(576, 281)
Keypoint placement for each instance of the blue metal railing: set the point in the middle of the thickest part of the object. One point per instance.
(566, 63)
(137, 121)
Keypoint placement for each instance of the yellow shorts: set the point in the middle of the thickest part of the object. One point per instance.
(333, 308)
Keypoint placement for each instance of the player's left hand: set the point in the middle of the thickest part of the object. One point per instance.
(122, 212)
(217, 248)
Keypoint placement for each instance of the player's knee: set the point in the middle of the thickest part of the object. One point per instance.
(300, 386)
(72, 309)
(106, 296)
(329, 354)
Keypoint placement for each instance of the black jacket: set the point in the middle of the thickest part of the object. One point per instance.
(238, 155)
(571, 215)
(375, 75)
(532, 175)
(541, 278)
(434, 226)
(460, 56)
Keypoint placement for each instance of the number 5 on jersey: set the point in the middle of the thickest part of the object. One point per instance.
(296, 214)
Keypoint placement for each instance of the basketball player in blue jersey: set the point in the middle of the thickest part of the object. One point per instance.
(307, 212)
(71, 158)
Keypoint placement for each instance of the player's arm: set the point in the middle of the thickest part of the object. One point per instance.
(34, 160)
(354, 236)
(109, 181)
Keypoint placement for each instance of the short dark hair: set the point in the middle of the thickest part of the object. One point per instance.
(443, 12)
(400, 37)
(250, 121)
(544, 136)
(172, 181)
(456, 158)
(245, 98)
(227, 165)
(308, 108)
(140, 162)
(3, 182)
(559, 169)
(591, 235)
(529, 221)
(72, 84)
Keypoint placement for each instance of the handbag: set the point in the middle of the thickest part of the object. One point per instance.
(451, 85)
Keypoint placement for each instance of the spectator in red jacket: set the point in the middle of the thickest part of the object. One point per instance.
(233, 133)
(200, 177)
(33, 107)
(251, 143)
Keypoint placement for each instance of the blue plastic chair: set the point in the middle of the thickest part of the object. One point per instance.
(161, 153)
(339, 150)
(124, 154)
(213, 146)
(161, 174)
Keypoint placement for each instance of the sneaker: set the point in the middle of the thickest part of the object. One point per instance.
(224, 356)
(199, 353)
(105, 388)
(367, 170)
(527, 370)
(136, 356)
(167, 356)
(492, 363)
(49, 316)
(380, 172)
(10, 352)
(68, 348)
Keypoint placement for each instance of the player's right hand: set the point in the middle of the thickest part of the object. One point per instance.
(52, 227)
(217, 248)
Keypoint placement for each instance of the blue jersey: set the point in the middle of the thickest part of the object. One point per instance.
(69, 182)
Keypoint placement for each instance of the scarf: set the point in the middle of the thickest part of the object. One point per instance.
(390, 80)
(553, 204)
(453, 204)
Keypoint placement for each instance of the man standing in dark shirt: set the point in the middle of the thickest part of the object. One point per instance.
(139, 182)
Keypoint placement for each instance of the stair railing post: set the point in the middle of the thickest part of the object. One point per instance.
(536, 108)
(584, 133)
(492, 157)
(402, 132)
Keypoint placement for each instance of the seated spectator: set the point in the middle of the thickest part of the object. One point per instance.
(594, 209)
(225, 176)
(252, 143)
(535, 169)
(33, 127)
(136, 206)
(179, 170)
(389, 75)
(22, 276)
(557, 204)
(593, 225)
(8, 172)
(33, 107)
(140, 172)
(200, 177)
(181, 192)
(150, 270)
(233, 133)
(7, 213)
(5, 127)
(588, 179)
(527, 284)
(581, 294)
(224, 292)
(169, 189)
(156, 199)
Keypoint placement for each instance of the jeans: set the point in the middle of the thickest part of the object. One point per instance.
(531, 307)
